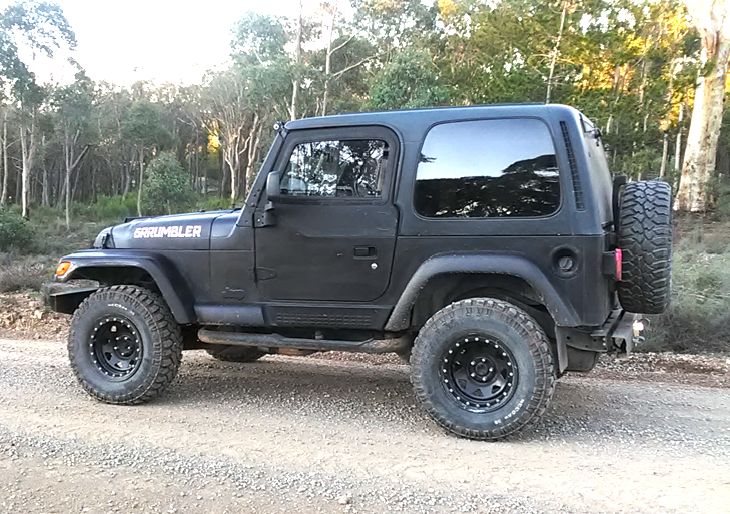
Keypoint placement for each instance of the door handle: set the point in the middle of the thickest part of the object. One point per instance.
(365, 252)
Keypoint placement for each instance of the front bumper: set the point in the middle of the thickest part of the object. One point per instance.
(64, 298)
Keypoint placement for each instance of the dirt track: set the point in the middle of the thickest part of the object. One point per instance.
(308, 435)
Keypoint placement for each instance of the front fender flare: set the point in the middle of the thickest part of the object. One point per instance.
(562, 313)
(171, 284)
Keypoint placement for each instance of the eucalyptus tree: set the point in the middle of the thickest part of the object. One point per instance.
(76, 132)
(244, 99)
(712, 20)
(411, 80)
(43, 27)
(148, 136)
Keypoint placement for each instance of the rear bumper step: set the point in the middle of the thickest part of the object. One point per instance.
(398, 345)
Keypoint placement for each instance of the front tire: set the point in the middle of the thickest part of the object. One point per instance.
(124, 345)
(483, 369)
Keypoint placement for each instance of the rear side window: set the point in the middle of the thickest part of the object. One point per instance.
(488, 168)
(354, 168)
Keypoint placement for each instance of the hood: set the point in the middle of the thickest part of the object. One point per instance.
(175, 232)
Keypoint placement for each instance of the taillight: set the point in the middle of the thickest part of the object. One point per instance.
(618, 255)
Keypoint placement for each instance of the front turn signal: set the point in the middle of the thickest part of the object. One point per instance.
(63, 268)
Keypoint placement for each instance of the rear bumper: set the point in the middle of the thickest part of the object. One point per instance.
(625, 332)
(618, 334)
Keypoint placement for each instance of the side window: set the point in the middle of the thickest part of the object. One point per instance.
(352, 168)
(488, 168)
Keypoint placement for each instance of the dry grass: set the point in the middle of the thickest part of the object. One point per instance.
(698, 319)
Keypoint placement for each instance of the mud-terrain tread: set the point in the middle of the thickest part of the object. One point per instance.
(540, 352)
(235, 353)
(161, 323)
(645, 238)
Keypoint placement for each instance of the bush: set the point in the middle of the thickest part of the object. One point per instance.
(23, 272)
(15, 233)
(214, 203)
(113, 208)
(166, 189)
(698, 318)
(20, 277)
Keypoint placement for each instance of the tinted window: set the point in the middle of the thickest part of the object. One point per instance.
(354, 168)
(488, 168)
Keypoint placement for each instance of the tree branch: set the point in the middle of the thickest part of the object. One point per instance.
(359, 63)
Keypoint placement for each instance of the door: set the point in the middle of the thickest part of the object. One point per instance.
(334, 230)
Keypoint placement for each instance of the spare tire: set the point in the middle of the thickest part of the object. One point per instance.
(645, 238)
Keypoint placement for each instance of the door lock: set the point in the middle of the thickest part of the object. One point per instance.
(374, 265)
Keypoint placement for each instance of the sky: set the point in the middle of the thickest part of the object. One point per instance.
(122, 41)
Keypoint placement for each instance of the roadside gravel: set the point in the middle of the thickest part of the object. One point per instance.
(311, 435)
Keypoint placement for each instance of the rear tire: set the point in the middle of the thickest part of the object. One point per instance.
(232, 353)
(124, 345)
(645, 238)
(483, 368)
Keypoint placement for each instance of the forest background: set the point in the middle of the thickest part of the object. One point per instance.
(88, 153)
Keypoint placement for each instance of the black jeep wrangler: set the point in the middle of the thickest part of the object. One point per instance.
(488, 245)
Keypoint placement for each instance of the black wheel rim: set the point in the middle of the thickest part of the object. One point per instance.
(116, 348)
(479, 373)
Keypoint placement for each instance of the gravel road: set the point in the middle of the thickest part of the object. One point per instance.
(289, 434)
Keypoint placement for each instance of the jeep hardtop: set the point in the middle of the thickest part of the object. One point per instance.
(489, 246)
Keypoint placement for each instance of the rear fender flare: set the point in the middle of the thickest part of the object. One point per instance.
(562, 314)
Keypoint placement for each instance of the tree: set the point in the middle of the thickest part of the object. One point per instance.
(409, 81)
(74, 106)
(166, 188)
(243, 99)
(712, 20)
(144, 130)
(43, 27)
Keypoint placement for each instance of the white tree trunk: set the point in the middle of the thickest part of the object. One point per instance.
(678, 146)
(665, 152)
(700, 154)
(141, 177)
(28, 149)
(328, 60)
(298, 59)
(4, 196)
(554, 57)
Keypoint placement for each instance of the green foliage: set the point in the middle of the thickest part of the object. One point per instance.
(213, 203)
(258, 38)
(40, 26)
(15, 233)
(409, 81)
(166, 189)
(698, 318)
(109, 209)
(144, 128)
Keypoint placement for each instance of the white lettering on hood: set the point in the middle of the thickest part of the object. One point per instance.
(169, 231)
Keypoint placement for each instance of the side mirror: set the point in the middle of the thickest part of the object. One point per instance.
(273, 189)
